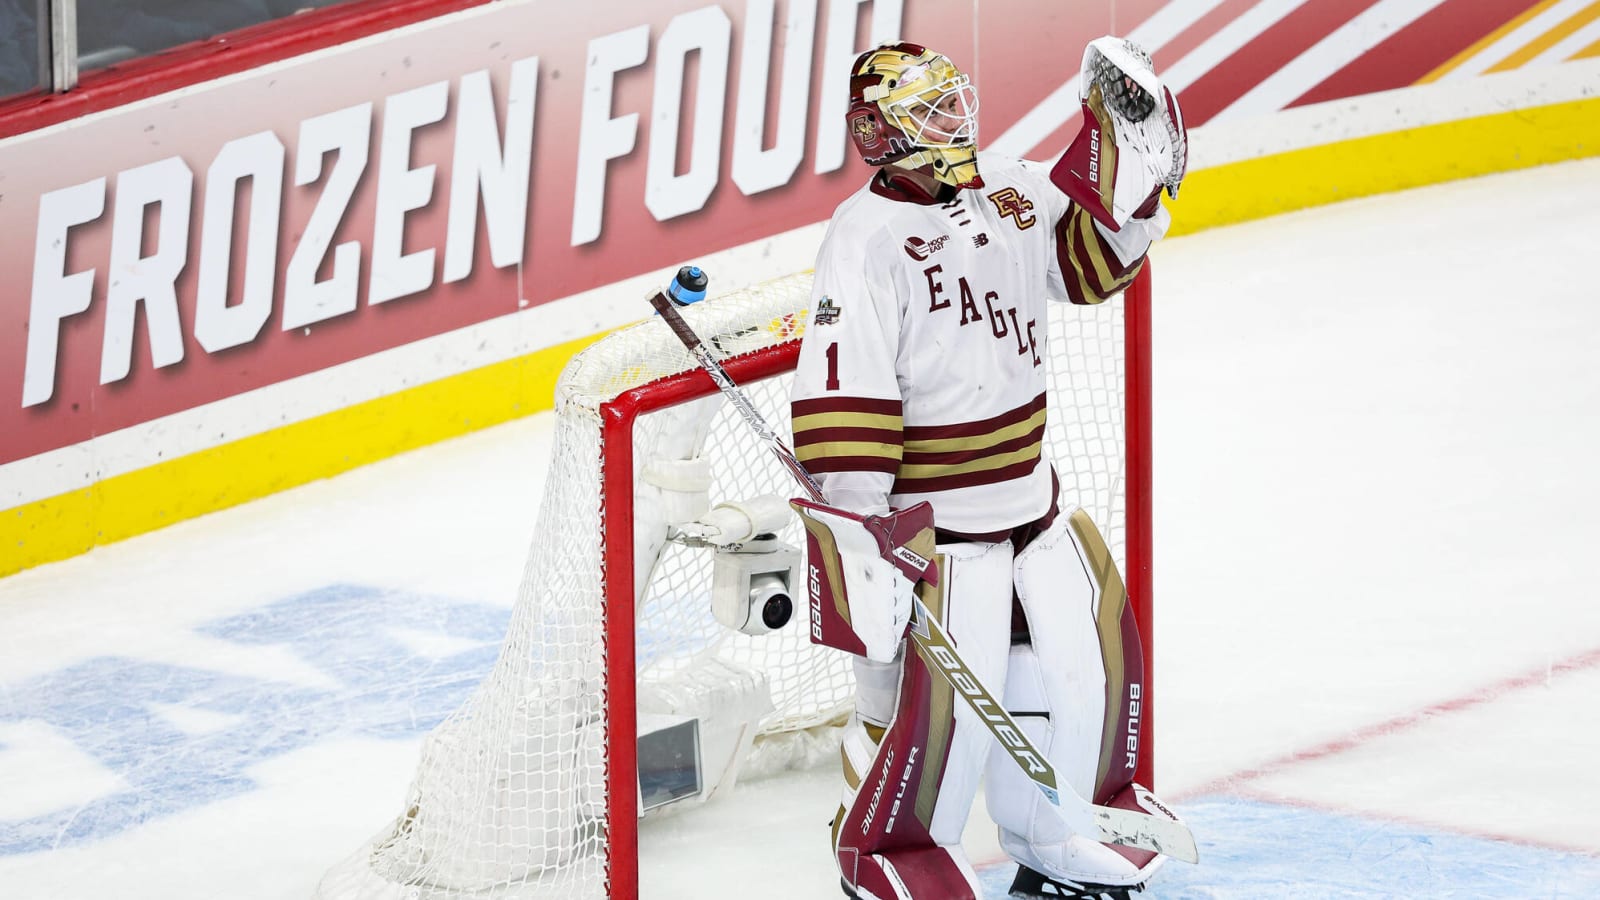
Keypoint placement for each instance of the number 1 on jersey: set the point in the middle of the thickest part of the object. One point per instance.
(833, 366)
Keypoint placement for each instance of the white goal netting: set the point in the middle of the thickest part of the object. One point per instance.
(509, 799)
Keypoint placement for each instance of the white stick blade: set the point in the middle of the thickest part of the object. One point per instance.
(1130, 828)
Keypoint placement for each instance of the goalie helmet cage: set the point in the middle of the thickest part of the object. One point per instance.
(531, 790)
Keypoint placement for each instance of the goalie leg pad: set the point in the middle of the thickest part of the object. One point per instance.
(1083, 643)
(921, 873)
(899, 833)
(882, 838)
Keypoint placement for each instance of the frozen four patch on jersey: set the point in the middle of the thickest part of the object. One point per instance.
(826, 313)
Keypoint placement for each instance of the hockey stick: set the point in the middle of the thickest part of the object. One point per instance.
(1126, 827)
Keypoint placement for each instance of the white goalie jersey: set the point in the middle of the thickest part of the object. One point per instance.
(906, 291)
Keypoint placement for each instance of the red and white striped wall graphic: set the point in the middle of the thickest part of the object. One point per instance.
(1234, 59)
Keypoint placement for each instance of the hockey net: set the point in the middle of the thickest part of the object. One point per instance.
(531, 789)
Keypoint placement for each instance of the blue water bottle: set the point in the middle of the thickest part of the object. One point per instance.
(689, 286)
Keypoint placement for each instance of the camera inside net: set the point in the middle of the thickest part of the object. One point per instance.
(751, 585)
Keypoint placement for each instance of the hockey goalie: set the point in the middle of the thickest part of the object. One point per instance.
(923, 382)
(919, 385)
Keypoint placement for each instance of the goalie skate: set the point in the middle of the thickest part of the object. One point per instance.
(1031, 885)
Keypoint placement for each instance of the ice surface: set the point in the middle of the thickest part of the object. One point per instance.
(1377, 645)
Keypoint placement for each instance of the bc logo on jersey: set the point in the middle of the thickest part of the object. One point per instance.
(1009, 202)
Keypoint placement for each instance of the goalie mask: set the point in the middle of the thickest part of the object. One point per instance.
(911, 107)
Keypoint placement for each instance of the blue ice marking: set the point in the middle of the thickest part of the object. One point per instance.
(386, 690)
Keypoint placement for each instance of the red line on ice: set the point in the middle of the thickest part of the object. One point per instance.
(1237, 784)
(1586, 660)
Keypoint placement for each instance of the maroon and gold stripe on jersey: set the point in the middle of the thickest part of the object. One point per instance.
(966, 454)
(1088, 264)
(847, 434)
